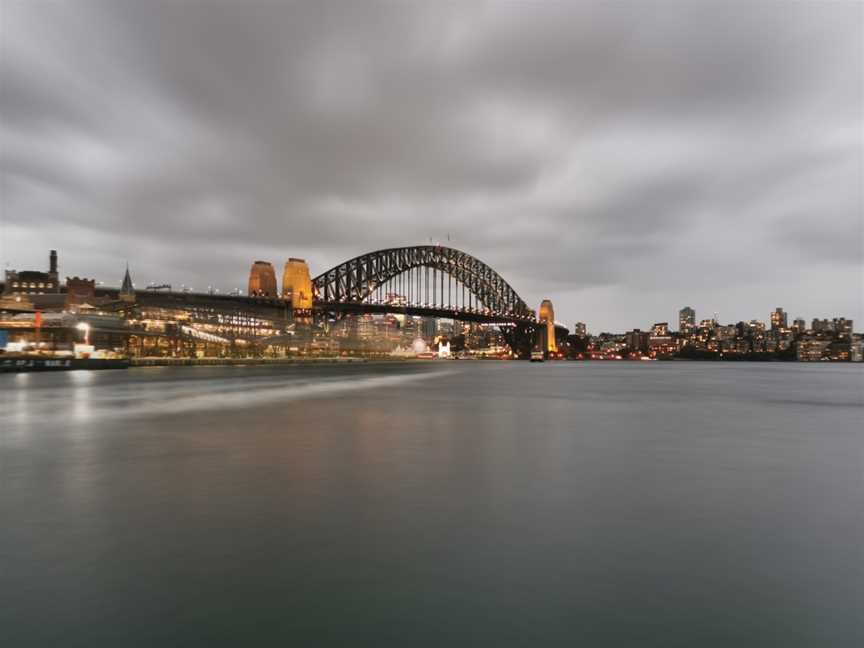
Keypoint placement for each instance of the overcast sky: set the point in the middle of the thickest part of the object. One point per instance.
(622, 159)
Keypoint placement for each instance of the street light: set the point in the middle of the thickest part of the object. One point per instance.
(84, 326)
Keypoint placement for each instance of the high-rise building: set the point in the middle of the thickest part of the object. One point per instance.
(822, 325)
(842, 326)
(686, 320)
(580, 329)
(799, 325)
(778, 319)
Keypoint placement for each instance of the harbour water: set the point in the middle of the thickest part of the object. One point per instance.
(441, 504)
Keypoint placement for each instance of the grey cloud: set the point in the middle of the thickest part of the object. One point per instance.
(620, 158)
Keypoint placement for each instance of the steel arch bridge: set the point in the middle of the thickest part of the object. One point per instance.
(429, 280)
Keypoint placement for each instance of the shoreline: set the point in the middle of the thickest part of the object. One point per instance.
(24, 364)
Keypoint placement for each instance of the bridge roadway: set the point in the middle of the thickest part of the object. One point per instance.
(462, 315)
(282, 305)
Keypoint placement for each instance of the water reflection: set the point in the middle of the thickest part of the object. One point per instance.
(403, 505)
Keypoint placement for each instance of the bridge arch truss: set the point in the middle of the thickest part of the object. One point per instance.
(427, 277)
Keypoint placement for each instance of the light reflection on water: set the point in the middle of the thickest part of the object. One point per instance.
(91, 400)
(513, 504)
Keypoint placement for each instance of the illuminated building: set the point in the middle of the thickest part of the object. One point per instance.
(366, 327)
(410, 330)
(686, 320)
(297, 284)
(778, 319)
(445, 328)
(262, 280)
(33, 282)
(812, 348)
(547, 317)
(660, 329)
(80, 291)
(842, 326)
(660, 342)
(856, 349)
(580, 329)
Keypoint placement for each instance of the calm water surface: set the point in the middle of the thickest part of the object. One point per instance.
(460, 503)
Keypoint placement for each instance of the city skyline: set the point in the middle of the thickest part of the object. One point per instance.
(712, 160)
(693, 316)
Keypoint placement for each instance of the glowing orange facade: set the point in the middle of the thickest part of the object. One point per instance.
(547, 317)
(297, 284)
(262, 280)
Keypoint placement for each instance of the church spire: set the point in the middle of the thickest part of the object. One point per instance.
(127, 289)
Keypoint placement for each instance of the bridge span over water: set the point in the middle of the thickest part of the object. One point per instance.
(426, 281)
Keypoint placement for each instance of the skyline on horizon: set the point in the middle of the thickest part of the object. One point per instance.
(621, 160)
(672, 321)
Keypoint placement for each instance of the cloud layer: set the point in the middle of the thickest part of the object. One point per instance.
(622, 159)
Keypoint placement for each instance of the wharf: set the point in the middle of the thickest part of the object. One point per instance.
(198, 362)
(18, 364)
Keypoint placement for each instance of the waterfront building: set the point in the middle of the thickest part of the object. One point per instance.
(33, 282)
(580, 329)
(365, 327)
(660, 341)
(726, 333)
(80, 292)
(410, 330)
(812, 348)
(778, 319)
(838, 351)
(686, 320)
(742, 346)
(842, 327)
(708, 324)
(637, 340)
(822, 325)
(856, 349)
(660, 329)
